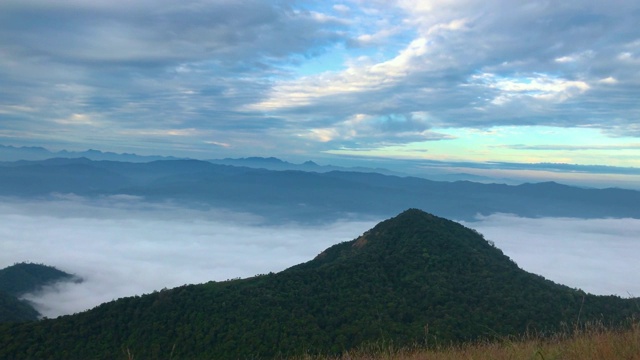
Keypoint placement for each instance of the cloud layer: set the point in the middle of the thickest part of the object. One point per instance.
(597, 256)
(122, 246)
(294, 77)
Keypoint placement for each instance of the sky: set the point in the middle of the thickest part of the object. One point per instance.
(122, 246)
(490, 81)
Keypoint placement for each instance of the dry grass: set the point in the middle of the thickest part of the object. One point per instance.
(591, 342)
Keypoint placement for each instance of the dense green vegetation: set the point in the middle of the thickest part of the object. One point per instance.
(413, 279)
(12, 309)
(23, 277)
(20, 279)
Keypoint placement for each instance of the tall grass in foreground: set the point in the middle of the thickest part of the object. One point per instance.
(591, 342)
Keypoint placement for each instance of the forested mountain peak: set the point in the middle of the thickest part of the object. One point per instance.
(414, 235)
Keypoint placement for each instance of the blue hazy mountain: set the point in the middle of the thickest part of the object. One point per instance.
(35, 153)
(272, 163)
(308, 196)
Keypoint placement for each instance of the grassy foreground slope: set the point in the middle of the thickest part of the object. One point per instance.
(412, 279)
(590, 342)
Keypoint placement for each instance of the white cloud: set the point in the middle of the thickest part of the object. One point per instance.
(380, 129)
(341, 8)
(359, 77)
(565, 59)
(626, 56)
(608, 80)
(453, 25)
(78, 119)
(585, 55)
(540, 87)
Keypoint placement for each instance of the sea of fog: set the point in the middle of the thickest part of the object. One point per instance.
(123, 246)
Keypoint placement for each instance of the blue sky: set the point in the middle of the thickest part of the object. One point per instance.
(453, 81)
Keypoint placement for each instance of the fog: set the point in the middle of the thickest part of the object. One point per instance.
(123, 246)
(599, 256)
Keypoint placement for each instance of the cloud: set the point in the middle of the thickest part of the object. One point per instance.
(289, 76)
(596, 255)
(378, 130)
(133, 72)
(123, 246)
(473, 64)
(341, 8)
(539, 87)
(573, 147)
(145, 33)
(357, 79)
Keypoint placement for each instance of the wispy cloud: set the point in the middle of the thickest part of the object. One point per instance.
(573, 147)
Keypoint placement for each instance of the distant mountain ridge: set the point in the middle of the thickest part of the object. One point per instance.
(413, 279)
(272, 163)
(290, 195)
(37, 153)
(427, 169)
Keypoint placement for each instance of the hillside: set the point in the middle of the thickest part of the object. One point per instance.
(22, 278)
(415, 278)
(284, 196)
(14, 310)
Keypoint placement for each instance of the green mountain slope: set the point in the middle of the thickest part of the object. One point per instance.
(23, 278)
(14, 310)
(415, 278)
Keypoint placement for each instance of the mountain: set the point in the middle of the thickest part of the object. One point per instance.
(413, 279)
(22, 278)
(272, 163)
(35, 153)
(13, 153)
(13, 309)
(287, 195)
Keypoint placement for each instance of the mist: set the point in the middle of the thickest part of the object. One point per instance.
(598, 256)
(123, 246)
